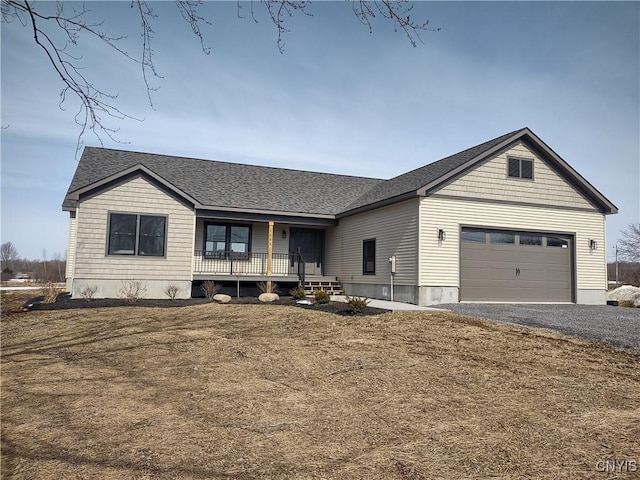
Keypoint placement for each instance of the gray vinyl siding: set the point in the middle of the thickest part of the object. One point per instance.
(489, 181)
(141, 197)
(395, 229)
(71, 250)
(440, 261)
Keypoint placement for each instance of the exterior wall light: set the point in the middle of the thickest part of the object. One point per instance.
(442, 235)
(593, 245)
(284, 234)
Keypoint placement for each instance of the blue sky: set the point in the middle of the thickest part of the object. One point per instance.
(339, 99)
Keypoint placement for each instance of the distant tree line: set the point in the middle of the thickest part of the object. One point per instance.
(628, 273)
(42, 270)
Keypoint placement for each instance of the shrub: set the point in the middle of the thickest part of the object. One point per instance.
(268, 287)
(50, 292)
(133, 290)
(298, 293)
(210, 289)
(89, 291)
(7, 274)
(171, 291)
(357, 305)
(321, 297)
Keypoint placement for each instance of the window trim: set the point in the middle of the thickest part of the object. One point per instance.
(364, 257)
(136, 245)
(227, 241)
(520, 160)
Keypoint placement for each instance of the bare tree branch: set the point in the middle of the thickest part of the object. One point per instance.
(629, 243)
(279, 11)
(97, 106)
(189, 11)
(398, 10)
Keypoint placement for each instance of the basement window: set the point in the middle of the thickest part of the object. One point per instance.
(520, 168)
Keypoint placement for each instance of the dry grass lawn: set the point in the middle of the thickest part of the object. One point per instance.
(258, 391)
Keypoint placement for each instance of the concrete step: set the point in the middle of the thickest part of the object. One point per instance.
(332, 286)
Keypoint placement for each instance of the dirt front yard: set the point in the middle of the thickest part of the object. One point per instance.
(262, 391)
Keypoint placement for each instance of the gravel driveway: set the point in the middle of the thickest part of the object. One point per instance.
(617, 326)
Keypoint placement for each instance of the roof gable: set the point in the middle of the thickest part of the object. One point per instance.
(426, 180)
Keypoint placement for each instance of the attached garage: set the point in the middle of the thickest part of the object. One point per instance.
(515, 266)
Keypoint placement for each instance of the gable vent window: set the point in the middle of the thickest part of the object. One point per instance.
(521, 168)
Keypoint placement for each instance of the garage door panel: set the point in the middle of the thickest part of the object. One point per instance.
(515, 271)
(528, 276)
(529, 256)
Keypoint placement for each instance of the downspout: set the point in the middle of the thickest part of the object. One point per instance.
(392, 264)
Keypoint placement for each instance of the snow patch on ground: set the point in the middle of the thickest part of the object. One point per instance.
(626, 293)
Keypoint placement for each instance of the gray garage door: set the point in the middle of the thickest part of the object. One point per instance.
(511, 266)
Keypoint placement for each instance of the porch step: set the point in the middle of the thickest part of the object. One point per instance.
(332, 286)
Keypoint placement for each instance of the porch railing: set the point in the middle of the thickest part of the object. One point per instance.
(239, 263)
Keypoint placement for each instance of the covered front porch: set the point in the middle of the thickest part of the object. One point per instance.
(258, 266)
(237, 247)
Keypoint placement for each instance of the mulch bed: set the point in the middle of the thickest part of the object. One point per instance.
(63, 302)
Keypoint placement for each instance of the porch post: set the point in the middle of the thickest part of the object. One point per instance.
(270, 254)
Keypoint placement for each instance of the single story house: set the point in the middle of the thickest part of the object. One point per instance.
(505, 221)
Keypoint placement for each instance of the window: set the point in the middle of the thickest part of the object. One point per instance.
(527, 239)
(151, 239)
(557, 242)
(222, 239)
(369, 257)
(520, 168)
(474, 236)
(502, 237)
(133, 234)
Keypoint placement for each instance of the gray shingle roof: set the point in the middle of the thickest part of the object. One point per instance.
(224, 185)
(229, 185)
(418, 178)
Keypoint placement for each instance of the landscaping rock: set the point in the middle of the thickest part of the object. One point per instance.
(626, 295)
(222, 298)
(268, 297)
